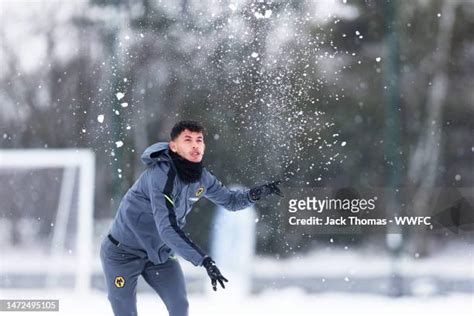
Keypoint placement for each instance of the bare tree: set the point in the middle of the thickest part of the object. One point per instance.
(425, 159)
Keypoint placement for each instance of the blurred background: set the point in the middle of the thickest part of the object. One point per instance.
(344, 93)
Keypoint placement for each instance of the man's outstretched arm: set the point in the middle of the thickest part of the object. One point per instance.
(236, 199)
(232, 200)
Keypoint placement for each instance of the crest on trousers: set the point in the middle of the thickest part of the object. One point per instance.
(119, 281)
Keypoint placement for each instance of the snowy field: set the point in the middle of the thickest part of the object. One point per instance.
(453, 263)
(285, 302)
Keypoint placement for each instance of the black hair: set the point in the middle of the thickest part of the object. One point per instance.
(191, 126)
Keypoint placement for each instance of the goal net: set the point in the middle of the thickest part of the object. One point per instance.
(46, 218)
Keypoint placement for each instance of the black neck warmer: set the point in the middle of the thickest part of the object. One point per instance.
(187, 171)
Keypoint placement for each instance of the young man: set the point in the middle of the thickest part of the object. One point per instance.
(147, 230)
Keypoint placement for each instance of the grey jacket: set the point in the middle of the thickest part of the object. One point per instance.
(152, 213)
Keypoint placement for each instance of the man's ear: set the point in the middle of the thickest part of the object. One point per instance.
(173, 146)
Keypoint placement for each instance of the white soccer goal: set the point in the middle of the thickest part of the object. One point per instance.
(46, 217)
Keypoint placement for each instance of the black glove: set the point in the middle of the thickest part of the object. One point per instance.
(264, 190)
(213, 273)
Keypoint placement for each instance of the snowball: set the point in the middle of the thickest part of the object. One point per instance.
(119, 95)
(119, 144)
(100, 118)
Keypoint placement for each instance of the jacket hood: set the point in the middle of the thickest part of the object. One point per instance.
(156, 152)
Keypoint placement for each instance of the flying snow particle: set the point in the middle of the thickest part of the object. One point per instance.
(119, 95)
(232, 7)
(457, 177)
(266, 15)
(378, 59)
(343, 144)
(124, 105)
(119, 144)
(100, 118)
(254, 55)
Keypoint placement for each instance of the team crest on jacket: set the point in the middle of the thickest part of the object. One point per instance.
(199, 191)
(119, 281)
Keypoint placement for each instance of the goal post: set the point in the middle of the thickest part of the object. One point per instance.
(76, 164)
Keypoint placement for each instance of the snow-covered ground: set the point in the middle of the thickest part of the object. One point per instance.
(454, 263)
(285, 302)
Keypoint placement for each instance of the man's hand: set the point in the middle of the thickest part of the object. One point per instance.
(213, 273)
(264, 190)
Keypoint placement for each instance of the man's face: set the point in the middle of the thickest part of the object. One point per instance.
(189, 145)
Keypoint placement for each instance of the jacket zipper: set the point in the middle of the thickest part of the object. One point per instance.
(185, 202)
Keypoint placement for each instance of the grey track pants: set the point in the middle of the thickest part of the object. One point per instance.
(122, 269)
